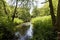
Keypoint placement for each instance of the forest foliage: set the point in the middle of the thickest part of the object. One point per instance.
(40, 18)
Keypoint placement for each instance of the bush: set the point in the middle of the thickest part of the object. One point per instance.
(8, 28)
(43, 29)
(18, 21)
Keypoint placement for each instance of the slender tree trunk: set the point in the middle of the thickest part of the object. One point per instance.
(15, 11)
(4, 6)
(53, 18)
(58, 21)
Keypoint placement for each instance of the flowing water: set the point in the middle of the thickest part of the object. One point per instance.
(28, 35)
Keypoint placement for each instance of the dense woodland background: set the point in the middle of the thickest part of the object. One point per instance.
(45, 20)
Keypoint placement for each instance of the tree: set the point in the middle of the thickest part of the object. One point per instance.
(57, 25)
(23, 13)
(45, 10)
(53, 17)
(6, 9)
(26, 4)
(35, 12)
(4, 5)
(52, 13)
(15, 10)
(58, 21)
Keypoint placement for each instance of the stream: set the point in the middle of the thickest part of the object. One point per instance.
(28, 33)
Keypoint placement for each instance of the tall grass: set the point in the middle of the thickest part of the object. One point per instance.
(43, 29)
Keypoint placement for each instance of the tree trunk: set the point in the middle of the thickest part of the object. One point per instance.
(53, 18)
(4, 6)
(52, 13)
(15, 10)
(58, 21)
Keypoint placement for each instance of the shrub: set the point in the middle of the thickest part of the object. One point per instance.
(43, 29)
(18, 21)
(8, 28)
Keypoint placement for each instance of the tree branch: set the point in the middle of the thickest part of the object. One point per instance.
(15, 10)
(44, 2)
(4, 7)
